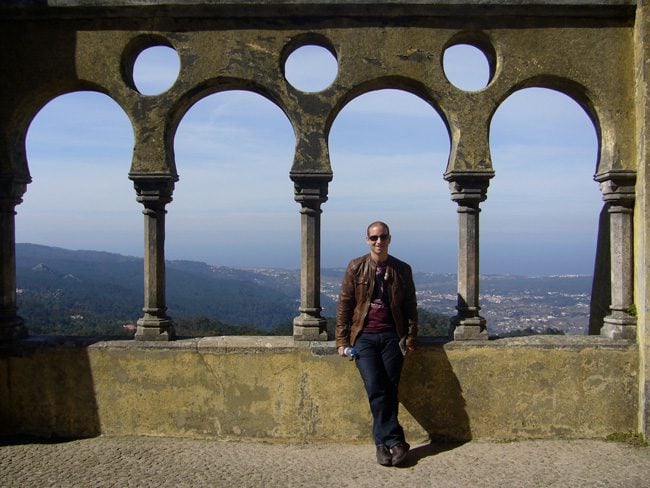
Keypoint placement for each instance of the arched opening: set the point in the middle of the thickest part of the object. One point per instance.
(233, 208)
(389, 150)
(466, 67)
(540, 222)
(155, 70)
(311, 68)
(79, 151)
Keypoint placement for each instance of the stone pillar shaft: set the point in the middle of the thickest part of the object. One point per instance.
(154, 194)
(617, 187)
(310, 192)
(11, 325)
(621, 249)
(468, 259)
(468, 190)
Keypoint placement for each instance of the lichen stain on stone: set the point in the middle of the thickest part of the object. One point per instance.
(416, 55)
(596, 383)
(373, 62)
(308, 409)
(260, 49)
(246, 410)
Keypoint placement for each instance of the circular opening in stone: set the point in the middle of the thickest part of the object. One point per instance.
(311, 68)
(466, 67)
(155, 70)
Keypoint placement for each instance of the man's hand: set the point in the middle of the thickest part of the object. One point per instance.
(410, 345)
(341, 350)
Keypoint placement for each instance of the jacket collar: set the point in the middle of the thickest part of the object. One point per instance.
(372, 266)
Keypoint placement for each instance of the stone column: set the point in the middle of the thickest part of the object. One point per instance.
(11, 325)
(617, 187)
(154, 193)
(310, 191)
(468, 191)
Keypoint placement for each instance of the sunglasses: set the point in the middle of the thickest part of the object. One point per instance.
(383, 237)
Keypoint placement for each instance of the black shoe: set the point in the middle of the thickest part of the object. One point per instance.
(383, 455)
(399, 450)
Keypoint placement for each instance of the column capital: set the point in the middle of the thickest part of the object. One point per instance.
(617, 187)
(310, 189)
(153, 190)
(12, 189)
(468, 188)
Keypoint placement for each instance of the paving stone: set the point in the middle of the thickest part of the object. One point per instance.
(168, 462)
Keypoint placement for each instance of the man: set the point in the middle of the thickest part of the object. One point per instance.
(377, 314)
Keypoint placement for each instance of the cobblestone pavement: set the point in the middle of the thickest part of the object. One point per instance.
(162, 462)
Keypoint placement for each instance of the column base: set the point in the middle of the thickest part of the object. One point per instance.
(12, 328)
(308, 328)
(472, 329)
(619, 326)
(154, 330)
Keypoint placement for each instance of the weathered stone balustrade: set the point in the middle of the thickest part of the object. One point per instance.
(274, 388)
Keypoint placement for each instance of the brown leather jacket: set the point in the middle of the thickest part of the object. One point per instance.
(355, 296)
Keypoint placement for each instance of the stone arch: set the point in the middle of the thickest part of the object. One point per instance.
(84, 102)
(553, 167)
(408, 85)
(209, 88)
(580, 94)
(24, 113)
(251, 191)
(394, 47)
(428, 158)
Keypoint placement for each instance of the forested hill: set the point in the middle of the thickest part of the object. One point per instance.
(81, 290)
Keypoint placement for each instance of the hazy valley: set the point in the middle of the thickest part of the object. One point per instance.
(97, 293)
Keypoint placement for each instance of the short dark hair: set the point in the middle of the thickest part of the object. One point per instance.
(375, 223)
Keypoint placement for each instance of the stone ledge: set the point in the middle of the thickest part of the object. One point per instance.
(285, 344)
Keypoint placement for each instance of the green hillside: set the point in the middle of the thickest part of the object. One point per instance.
(90, 293)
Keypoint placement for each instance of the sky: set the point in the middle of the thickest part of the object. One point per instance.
(234, 206)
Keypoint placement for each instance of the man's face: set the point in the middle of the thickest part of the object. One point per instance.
(378, 240)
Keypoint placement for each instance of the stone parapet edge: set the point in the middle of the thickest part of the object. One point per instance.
(286, 344)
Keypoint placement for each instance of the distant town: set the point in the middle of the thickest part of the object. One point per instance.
(510, 304)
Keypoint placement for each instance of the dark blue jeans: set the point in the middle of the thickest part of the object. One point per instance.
(380, 364)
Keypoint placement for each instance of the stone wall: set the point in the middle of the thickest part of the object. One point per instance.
(271, 388)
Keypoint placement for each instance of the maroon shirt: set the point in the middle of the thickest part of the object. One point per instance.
(379, 317)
